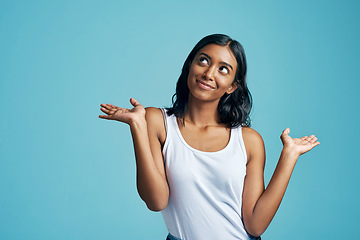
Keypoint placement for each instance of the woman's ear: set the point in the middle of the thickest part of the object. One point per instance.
(232, 88)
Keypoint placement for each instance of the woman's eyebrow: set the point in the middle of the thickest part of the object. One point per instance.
(225, 63)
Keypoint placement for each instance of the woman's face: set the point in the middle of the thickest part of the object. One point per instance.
(212, 73)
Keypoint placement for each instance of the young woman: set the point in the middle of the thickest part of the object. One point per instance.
(199, 162)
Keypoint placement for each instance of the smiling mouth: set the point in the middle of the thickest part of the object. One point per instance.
(204, 85)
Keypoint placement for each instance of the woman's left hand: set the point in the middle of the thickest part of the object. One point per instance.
(298, 145)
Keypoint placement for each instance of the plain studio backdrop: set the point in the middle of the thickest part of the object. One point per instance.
(66, 174)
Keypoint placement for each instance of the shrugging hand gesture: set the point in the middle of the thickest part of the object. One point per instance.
(124, 115)
(298, 145)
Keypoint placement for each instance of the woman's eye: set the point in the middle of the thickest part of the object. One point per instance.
(224, 70)
(203, 60)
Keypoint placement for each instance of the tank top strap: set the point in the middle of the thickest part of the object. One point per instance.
(170, 128)
(170, 122)
(238, 131)
(163, 110)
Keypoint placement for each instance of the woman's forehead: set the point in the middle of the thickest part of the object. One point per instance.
(217, 52)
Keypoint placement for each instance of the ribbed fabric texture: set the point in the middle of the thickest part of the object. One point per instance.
(205, 187)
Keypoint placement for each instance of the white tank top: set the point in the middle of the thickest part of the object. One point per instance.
(205, 187)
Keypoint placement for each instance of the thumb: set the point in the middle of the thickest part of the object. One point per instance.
(285, 132)
(134, 102)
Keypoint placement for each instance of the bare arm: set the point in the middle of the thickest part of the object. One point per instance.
(259, 205)
(145, 127)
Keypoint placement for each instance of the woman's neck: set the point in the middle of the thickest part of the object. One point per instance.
(202, 113)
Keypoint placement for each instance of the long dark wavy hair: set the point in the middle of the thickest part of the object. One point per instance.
(233, 109)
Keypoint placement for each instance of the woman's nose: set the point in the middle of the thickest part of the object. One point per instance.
(209, 73)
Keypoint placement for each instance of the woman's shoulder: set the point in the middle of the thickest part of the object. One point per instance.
(153, 112)
(251, 134)
(155, 122)
(252, 140)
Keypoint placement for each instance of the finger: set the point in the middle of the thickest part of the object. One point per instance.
(312, 136)
(286, 131)
(105, 117)
(107, 106)
(313, 139)
(113, 106)
(107, 111)
(307, 139)
(134, 102)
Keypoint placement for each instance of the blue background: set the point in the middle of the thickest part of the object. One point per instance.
(66, 174)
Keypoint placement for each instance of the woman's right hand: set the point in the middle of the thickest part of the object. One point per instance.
(129, 116)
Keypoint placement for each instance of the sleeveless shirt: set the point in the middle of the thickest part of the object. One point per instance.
(206, 188)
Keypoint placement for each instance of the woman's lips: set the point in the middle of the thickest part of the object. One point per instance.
(204, 85)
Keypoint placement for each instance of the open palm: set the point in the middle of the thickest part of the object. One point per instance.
(123, 114)
(299, 145)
